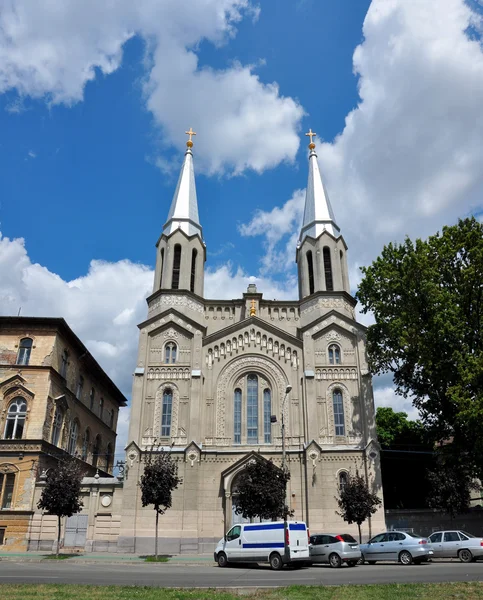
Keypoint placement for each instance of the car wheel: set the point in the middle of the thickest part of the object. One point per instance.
(352, 563)
(222, 560)
(276, 561)
(405, 558)
(334, 560)
(465, 556)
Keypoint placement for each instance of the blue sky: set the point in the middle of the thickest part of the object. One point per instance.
(86, 173)
(94, 101)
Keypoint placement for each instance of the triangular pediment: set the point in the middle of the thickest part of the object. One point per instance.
(171, 318)
(15, 379)
(335, 320)
(15, 385)
(229, 474)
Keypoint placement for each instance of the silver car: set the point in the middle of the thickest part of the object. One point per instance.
(452, 544)
(334, 549)
(406, 548)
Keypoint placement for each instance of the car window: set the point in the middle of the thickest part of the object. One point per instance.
(462, 536)
(468, 535)
(328, 539)
(451, 536)
(436, 537)
(390, 537)
(400, 537)
(377, 538)
(348, 538)
(234, 533)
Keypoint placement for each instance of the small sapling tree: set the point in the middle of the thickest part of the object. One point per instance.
(356, 502)
(61, 494)
(261, 491)
(157, 483)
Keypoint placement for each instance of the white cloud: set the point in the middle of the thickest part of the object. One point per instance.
(52, 49)
(385, 396)
(277, 225)
(409, 158)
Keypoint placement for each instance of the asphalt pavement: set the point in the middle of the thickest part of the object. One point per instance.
(211, 576)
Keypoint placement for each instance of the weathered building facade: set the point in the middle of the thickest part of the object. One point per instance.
(211, 373)
(55, 400)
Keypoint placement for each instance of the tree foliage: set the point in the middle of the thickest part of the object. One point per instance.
(356, 502)
(61, 495)
(451, 482)
(261, 491)
(395, 430)
(157, 483)
(427, 300)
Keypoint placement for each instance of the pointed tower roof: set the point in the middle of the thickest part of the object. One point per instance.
(183, 213)
(318, 213)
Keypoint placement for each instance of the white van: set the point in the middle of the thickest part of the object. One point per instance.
(264, 542)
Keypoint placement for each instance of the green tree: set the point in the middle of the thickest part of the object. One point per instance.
(395, 430)
(261, 491)
(427, 301)
(62, 491)
(157, 483)
(451, 482)
(356, 502)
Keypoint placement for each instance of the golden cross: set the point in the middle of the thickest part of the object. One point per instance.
(190, 133)
(311, 134)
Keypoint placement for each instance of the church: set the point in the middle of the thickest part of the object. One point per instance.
(215, 379)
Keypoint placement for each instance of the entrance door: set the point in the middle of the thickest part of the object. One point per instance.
(76, 531)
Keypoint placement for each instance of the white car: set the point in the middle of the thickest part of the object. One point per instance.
(452, 544)
(265, 542)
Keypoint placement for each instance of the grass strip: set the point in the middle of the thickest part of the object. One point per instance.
(411, 591)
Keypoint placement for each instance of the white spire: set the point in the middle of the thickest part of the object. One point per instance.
(183, 213)
(318, 213)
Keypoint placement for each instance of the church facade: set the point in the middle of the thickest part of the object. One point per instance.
(214, 377)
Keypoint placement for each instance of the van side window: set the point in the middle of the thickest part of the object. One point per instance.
(234, 533)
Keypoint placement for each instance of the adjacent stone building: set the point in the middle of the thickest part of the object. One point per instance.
(54, 400)
(210, 374)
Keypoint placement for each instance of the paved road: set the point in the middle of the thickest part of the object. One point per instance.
(166, 575)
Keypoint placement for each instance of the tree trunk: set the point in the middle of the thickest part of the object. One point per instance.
(156, 539)
(58, 535)
(360, 536)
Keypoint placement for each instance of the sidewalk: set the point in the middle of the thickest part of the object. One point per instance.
(108, 558)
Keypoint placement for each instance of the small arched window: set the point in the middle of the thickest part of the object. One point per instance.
(17, 412)
(329, 283)
(176, 267)
(57, 426)
(92, 397)
(79, 388)
(161, 268)
(85, 444)
(194, 255)
(73, 434)
(170, 352)
(338, 406)
(24, 350)
(267, 416)
(343, 480)
(101, 407)
(237, 416)
(108, 457)
(166, 413)
(310, 269)
(63, 363)
(334, 354)
(96, 451)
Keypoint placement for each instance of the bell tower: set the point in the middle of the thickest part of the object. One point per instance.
(321, 249)
(180, 250)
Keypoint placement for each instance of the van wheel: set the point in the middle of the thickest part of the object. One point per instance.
(335, 561)
(405, 557)
(222, 560)
(276, 561)
(465, 556)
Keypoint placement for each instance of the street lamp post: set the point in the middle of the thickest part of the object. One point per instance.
(288, 389)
